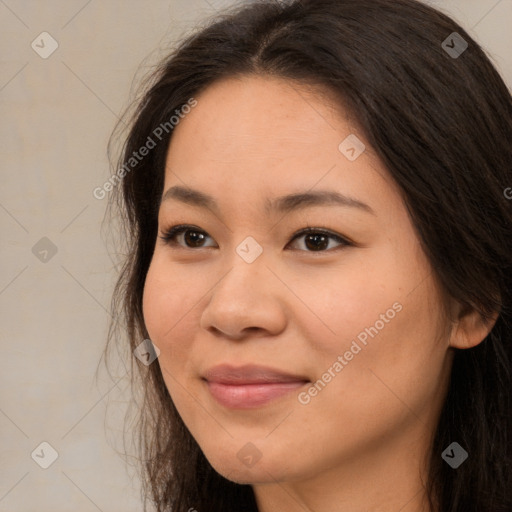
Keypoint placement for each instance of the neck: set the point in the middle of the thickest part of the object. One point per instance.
(389, 479)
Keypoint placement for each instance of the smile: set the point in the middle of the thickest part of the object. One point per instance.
(249, 396)
(249, 386)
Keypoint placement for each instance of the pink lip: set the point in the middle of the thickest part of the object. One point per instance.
(249, 386)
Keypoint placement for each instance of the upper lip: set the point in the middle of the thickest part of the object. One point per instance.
(249, 374)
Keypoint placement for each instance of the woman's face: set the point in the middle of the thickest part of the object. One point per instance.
(358, 328)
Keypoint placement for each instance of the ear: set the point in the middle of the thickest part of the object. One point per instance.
(469, 327)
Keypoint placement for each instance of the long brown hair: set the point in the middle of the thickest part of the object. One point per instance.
(441, 123)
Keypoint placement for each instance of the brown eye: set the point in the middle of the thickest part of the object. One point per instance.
(317, 240)
(190, 237)
(193, 237)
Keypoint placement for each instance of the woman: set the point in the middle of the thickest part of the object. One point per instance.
(320, 251)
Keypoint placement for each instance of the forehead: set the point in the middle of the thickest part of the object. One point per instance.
(256, 133)
(262, 116)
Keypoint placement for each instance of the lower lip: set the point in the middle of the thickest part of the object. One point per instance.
(249, 396)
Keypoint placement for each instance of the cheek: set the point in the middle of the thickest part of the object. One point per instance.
(164, 305)
(171, 315)
(155, 303)
(341, 303)
(385, 321)
(165, 318)
(390, 364)
(171, 308)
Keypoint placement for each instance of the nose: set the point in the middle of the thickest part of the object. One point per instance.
(248, 298)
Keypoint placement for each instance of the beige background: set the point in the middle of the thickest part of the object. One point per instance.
(56, 117)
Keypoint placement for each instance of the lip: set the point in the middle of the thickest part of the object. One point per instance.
(250, 386)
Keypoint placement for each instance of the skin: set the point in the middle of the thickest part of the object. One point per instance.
(363, 441)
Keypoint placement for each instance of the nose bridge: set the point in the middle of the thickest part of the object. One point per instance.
(249, 250)
(242, 298)
(247, 265)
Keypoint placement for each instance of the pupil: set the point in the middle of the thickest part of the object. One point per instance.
(316, 239)
(314, 242)
(187, 237)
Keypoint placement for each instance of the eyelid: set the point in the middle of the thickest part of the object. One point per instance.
(176, 230)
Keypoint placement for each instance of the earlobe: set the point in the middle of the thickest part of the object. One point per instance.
(470, 328)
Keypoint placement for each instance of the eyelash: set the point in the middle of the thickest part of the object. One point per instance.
(169, 235)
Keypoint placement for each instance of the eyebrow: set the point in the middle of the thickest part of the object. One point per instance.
(282, 204)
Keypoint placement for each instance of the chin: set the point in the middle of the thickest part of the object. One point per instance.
(242, 477)
(269, 469)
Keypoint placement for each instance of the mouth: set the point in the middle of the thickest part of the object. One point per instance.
(249, 386)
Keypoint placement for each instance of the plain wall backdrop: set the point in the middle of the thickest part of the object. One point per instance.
(56, 275)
